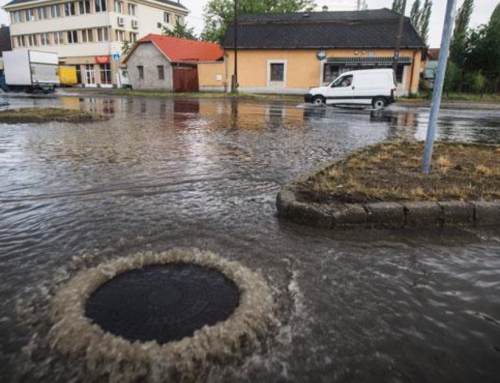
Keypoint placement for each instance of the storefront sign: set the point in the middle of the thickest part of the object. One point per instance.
(102, 59)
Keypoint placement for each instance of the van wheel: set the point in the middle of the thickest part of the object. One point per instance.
(379, 103)
(319, 100)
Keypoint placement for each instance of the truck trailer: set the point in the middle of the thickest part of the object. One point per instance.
(29, 70)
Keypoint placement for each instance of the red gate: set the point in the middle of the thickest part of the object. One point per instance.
(186, 78)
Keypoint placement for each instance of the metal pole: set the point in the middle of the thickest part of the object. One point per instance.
(235, 78)
(399, 37)
(439, 83)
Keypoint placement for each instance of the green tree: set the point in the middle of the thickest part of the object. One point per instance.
(218, 14)
(458, 45)
(416, 14)
(397, 5)
(452, 78)
(180, 30)
(126, 47)
(476, 81)
(425, 21)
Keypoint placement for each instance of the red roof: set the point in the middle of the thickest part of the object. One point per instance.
(183, 50)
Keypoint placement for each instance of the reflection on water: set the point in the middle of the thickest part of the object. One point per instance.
(365, 307)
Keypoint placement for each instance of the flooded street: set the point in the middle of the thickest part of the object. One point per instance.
(367, 306)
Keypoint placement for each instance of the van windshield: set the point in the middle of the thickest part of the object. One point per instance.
(342, 82)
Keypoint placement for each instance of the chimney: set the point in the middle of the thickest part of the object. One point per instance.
(325, 8)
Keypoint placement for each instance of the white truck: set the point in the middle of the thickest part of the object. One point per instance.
(29, 70)
(375, 87)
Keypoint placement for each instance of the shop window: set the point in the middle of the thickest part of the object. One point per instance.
(161, 72)
(277, 72)
(105, 70)
(330, 72)
(140, 70)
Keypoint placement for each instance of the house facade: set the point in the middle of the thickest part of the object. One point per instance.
(89, 34)
(293, 52)
(168, 63)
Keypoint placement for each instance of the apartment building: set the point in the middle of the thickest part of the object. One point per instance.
(89, 34)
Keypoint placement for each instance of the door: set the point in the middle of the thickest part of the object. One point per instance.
(185, 79)
(89, 75)
(341, 91)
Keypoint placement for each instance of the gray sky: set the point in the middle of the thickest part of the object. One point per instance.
(481, 15)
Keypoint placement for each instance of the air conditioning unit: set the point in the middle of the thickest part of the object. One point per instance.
(135, 24)
(121, 21)
(159, 25)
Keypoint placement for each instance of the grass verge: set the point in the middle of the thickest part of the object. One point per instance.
(391, 172)
(39, 115)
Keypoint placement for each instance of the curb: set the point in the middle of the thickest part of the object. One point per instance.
(382, 215)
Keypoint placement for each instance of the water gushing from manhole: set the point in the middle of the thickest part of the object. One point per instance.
(162, 302)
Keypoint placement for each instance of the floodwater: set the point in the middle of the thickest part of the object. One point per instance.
(369, 306)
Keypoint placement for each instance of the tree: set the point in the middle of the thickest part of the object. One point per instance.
(397, 5)
(126, 47)
(458, 46)
(425, 21)
(218, 14)
(415, 15)
(180, 30)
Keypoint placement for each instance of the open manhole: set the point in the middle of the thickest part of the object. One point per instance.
(162, 302)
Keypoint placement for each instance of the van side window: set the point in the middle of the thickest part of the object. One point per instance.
(342, 82)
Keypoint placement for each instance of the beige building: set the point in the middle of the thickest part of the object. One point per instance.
(89, 34)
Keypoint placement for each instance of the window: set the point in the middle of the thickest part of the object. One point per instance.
(87, 35)
(343, 82)
(30, 16)
(120, 35)
(100, 5)
(55, 11)
(69, 9)
(31, 40)
(140, 69)
(42, 13)
(84, 7)
(131, 9)
(21, 42)
(105, 70)
(58, 38)
(277, 72)
(330, 72)
(178, 19)
(44, 39)
(166, 17)
(161, 72)
(118, 6)
(16, 17)
(72, 37)
(133, 37)
(102, 34)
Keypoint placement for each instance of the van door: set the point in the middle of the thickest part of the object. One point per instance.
(341, 90)
(369, 85)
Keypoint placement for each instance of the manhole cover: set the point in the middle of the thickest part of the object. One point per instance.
(162, 302)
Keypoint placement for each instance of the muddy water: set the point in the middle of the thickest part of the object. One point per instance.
(366, 307)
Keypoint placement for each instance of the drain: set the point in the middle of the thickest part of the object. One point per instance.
(156, 317)
(162, 302)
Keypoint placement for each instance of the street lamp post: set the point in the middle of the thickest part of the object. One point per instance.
(439, 84)
(399, 37)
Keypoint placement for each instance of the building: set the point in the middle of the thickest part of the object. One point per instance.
(89, 34)
(431, 67)
(168, 63)
(292, 52)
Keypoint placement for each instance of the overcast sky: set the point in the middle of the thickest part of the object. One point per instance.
(481, 15)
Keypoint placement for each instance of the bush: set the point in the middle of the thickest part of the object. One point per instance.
(476, 82)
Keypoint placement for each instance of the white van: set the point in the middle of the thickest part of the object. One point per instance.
(375, 87)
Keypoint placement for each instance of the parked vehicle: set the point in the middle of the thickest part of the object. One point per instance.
(28, 70)
(375, 87)
(67, 75)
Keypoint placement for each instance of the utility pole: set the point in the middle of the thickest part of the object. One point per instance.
(399, 37)
(234, 85)
(439, 84)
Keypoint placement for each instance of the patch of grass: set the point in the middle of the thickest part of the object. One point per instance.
(391, 172)
(34, 115)
(453, 96)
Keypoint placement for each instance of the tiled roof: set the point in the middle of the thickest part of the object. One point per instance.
(183, 50)
(364, 29)
(167, 2)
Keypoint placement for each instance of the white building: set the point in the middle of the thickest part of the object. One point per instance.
(89, 33)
